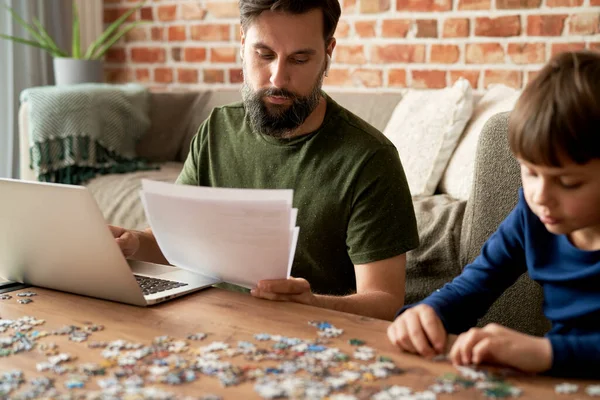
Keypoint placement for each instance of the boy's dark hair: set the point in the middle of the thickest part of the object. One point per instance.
(558, 113)
(250, 9)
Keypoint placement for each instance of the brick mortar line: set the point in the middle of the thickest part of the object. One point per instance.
(399, 40)
(378, 67)
(178, 86)
(380, 41)
(470, 39)
(409, 17)
(544, 9)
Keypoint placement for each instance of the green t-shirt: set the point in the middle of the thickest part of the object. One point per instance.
(354, 204)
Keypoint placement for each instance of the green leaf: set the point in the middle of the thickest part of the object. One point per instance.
(76, 52)
(108, 33)
(115, 39)
(25, 25)
(31, 43)
(51, 43)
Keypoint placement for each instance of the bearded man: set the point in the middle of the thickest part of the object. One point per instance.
(355, 211)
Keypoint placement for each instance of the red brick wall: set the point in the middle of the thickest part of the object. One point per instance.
(382, 44)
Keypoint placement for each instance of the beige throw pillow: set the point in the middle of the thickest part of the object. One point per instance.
(425, 128)
(458, 177)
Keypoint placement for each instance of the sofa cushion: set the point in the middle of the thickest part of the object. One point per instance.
(118, 194)
(172, 121)
(457, 180)
(436, 261)
(200, 111)
(374, 108)
(496, 184)
(425, 128)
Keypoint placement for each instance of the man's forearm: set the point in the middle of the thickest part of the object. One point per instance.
(148, 250)
(380, 305)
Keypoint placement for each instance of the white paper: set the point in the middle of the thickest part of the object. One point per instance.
(235, 235)
(294, 242)
(220, 194)
(293, 217)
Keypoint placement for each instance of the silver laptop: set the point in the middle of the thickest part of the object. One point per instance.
(54, 236)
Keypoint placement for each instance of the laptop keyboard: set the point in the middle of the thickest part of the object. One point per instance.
(155, 285)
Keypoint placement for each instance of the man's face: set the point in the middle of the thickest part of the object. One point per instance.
(284, 62)
(566, 199)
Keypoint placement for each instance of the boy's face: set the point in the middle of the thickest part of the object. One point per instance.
(566, 199)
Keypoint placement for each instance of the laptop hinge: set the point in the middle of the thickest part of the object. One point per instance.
(6, 287)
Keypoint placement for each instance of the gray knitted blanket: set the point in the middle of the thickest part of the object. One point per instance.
(79, 131)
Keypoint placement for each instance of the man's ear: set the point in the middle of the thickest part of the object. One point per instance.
(329, 54)
(242, 41)
(331, 46)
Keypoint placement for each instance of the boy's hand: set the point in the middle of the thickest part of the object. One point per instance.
(419, 330)
(500, 345)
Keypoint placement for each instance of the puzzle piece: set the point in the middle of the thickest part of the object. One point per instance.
(593, 390)
(566, 388)
(356, 342)
(26, 294)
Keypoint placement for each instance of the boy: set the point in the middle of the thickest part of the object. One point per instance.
(553, 233)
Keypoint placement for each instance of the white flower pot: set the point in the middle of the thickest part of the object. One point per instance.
(70, 71)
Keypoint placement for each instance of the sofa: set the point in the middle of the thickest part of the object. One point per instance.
(452, 230)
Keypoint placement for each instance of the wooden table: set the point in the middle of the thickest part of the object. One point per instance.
(229, 317)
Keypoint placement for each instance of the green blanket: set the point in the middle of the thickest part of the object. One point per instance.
(80, 131)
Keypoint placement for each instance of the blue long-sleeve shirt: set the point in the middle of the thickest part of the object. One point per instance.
(570, 279)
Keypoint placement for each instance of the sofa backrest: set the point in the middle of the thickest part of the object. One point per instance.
(176, 117)
(494, 194)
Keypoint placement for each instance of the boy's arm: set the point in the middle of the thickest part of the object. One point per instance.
(575, 355)
(460, 303)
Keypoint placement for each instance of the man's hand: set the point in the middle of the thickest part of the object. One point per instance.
(127, 240)
(419, 330)
(379, 290)
(293, 289)
(497, 344)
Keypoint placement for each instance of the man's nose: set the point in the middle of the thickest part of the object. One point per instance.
(279, 73)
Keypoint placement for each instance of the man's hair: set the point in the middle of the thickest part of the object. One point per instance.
(557, 117)
(250, 9)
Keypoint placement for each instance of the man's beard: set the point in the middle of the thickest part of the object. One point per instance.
(279, 120)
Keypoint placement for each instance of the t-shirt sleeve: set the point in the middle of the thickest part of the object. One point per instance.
(189, 175)
(382, 221)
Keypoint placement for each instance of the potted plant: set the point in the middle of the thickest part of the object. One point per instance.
(76, 65)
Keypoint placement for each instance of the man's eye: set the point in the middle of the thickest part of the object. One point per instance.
(265, 56)
(300, 60)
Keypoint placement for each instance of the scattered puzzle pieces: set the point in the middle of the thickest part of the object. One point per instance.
(296, 368)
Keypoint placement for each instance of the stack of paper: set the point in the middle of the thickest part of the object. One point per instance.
(240, 236)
